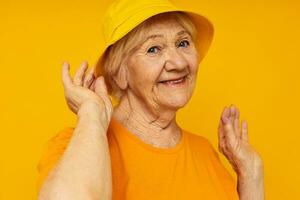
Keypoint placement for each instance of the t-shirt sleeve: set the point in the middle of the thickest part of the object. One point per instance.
(52, 152)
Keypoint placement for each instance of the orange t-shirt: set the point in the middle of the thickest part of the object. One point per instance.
(191, 170)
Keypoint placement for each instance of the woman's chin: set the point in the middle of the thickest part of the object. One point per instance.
(177, 97)
(176, 101)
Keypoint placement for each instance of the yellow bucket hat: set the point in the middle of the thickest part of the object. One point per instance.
(124, 15)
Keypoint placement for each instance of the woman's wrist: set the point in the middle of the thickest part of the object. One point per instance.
(252, 172)
(250, 186)
(91, 112)
(89, 108)
(251, 190)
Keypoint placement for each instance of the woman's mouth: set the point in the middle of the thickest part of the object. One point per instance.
(175, 82)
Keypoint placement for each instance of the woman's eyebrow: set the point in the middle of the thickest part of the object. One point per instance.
(183, 32)
(159, 35)
(152, 37)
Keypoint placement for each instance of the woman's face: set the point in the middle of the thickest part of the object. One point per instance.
(162, 71)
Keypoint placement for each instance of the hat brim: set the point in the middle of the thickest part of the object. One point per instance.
(203, 25)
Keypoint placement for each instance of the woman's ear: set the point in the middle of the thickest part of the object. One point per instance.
(121, 77)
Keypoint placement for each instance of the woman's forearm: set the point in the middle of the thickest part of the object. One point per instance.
(251, 187)
(84, 171)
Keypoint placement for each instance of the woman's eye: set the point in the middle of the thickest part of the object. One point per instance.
(153, 49)
(184, 43)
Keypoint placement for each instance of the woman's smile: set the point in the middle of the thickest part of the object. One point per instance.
(177, 82)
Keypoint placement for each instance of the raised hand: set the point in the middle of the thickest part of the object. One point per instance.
(234, 144)
(85, 88)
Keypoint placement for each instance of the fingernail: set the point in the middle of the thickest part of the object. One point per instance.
(224, 120)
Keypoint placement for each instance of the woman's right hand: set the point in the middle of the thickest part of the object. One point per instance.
(85, 89)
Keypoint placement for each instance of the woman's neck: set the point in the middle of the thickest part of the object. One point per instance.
(157, 127)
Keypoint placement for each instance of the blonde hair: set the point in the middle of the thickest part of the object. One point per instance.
(118, 53)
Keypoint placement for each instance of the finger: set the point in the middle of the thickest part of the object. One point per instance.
(92, 87)
(101, 90)
(228, 128)
(232, 113)
(225, 115)
(233, 119)
(88, 79)
(221, 130)
(222, 147)
(245, 131)
(66, 78)
(100, 86)
(236, 123)
(221, 136)
(79, 75)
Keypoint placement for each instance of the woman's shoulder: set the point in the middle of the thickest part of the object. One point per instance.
(204, 149)
(55, 144)
(200, 143)
(62, 134)
(52, 151)
(196, 138)
(58, 142)
(61, 137)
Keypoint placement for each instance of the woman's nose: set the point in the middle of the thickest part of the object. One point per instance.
(175, 60)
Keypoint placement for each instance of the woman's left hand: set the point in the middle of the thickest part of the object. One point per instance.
(235, 146)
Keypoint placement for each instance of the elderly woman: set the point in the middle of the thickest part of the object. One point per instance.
(136, 150)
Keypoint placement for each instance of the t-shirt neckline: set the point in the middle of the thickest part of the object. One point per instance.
(118, 128)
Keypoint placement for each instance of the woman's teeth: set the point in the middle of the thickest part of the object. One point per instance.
(175, 82)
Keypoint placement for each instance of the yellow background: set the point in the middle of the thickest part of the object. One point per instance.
(253, 63)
